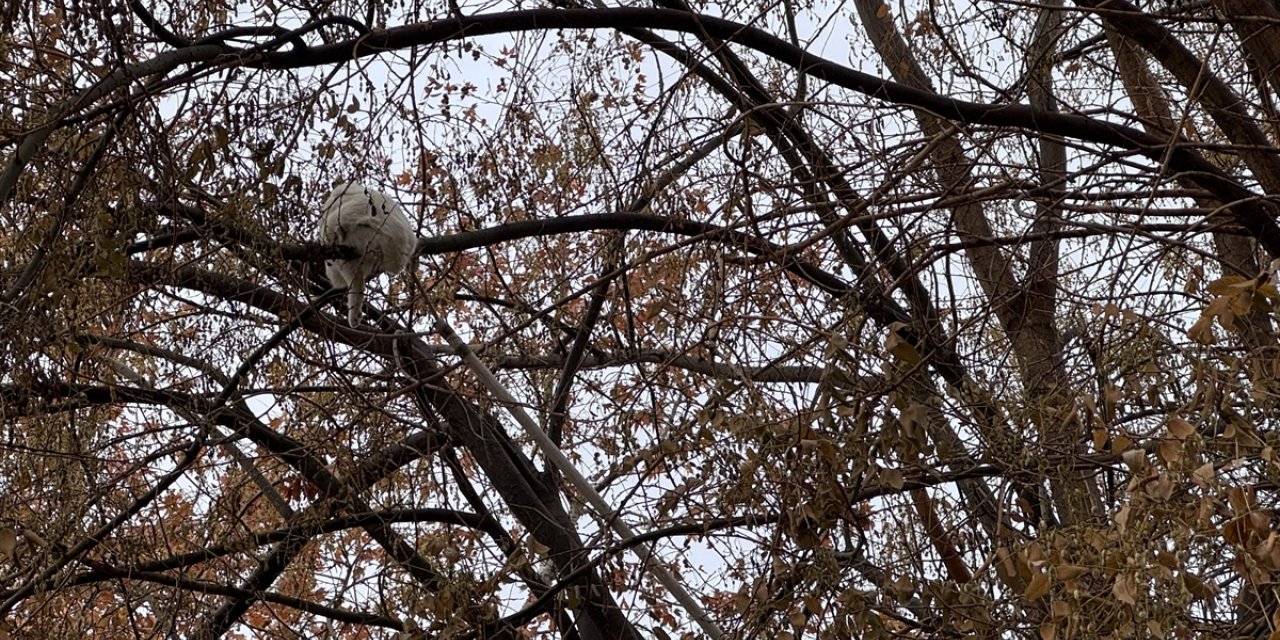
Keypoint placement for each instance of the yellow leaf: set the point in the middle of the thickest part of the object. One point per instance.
(903, 351)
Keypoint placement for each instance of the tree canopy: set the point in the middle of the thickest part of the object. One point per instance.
(774, 319)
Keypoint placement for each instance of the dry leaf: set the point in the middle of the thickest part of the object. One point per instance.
(1135, 459)
(893, 478)
(1169, 451)
(798, 619)
(1069, 571)
(1125, 589)
(8, 541)
(1202, 331)
(1120, 444)
(1179, 428)
(1204, 475)
(1048, 631)
(1154, 627)
(1228, 284)
(1060, 608)
(1197, 587)
(1099, 438)
(1038, 588)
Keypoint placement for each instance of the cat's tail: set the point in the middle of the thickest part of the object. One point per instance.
(355, 301)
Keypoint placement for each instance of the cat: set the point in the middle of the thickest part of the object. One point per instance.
(372, 223)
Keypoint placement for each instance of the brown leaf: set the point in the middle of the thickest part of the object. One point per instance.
(1060, 608)
(1005, 568)
(1069, 571)
(1227, 284)
(1099, 438)
(1204, 475)
(1202, 330)
(1121, 443)
(1135, 459)
(798, 619)
(1197, 587)
(1125, 589)
(1156, 630)
(1169, 451)
(8, 541)
(1179, 428)
(1038, 588)
(893, 478)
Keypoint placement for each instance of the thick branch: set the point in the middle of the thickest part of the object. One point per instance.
(1246, 207)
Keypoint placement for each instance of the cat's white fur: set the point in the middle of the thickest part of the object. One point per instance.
(374, 224)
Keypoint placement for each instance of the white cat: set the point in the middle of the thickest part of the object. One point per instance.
(375, 225)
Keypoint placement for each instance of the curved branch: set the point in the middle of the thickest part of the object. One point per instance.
(49, 398)
(307, 531)
(93, 539)
(282, 35)
(157, 28)
(154, 351)
(33, 141)
(785, 374)
(540, 605)
(1252, 214)
(203, 587)
(53, 235)
(1226, 107)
